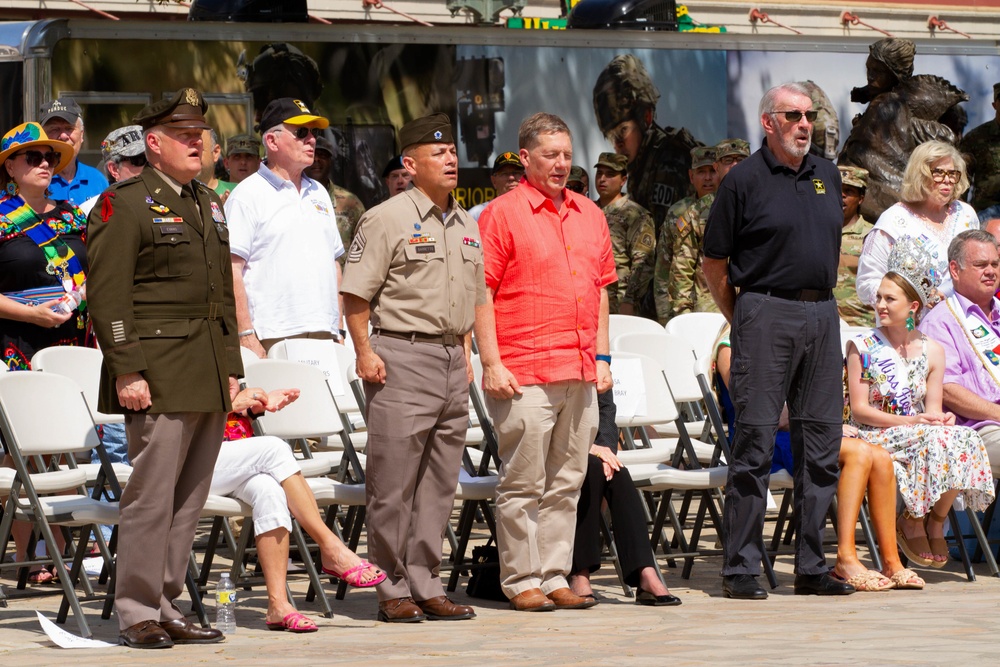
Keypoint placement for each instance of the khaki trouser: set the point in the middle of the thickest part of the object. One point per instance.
(544, 436)
(172, 456)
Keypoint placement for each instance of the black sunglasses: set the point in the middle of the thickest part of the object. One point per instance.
(796, 116)
(135, 160)
(34, 158)
(302, 132)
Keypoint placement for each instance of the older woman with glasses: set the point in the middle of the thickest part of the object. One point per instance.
(930, 212)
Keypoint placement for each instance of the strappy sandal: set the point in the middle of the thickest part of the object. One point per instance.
(904, 580)
(869, 581)
(938, 545)
(293, 622)
(912, 546)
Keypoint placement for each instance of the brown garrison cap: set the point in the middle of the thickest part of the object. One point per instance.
(728, 147)
(702, 156)
(185, 110)
(615, 161)
(854, 176)
(432, 129)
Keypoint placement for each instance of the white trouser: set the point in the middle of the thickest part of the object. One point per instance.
(252, 471)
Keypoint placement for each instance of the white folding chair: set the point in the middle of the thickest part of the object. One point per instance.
(622, 324)
(698, 329)
(57, 497)
(83, 366)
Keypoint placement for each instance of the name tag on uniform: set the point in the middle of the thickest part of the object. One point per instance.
(422, 239)
(161, 221)
(166, 230)
(425, 249)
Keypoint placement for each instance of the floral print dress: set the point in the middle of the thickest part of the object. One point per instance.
(928, 460)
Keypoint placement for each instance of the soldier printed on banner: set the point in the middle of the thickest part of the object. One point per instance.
(658, 158)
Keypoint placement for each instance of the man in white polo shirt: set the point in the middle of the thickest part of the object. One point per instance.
(284, 239)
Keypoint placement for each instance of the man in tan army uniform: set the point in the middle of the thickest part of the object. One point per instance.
(161, 297)
(852, 309)
(415, 270)
(659, 158)
(982, 145)
(686, 287)
(346, 205)
(632, 232)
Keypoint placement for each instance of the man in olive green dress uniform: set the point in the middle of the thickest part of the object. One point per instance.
(161, 298)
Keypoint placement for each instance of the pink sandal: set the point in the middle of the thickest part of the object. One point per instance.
(293, 622)
(354, 575)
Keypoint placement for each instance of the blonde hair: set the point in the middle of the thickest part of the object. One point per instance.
(917, 181)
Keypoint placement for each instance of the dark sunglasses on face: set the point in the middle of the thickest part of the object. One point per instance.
(302, 132)
(575, 187)
(135, 160)
(796, 116)
(34, 158)
(731, 159)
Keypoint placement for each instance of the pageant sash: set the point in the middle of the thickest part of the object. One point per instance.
(883, 367)
(981, 337)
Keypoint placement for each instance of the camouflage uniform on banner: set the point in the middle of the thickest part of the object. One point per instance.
(657, 174)
(349, 210)
(633, 242)
(664, 259)
(686, 284)
(852, 309)
(982, 146)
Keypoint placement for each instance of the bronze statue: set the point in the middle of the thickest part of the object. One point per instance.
(903, 112)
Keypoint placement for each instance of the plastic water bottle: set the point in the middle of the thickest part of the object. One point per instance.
(225, 605)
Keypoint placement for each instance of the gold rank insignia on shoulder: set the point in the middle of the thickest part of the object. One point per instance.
(422, 239)
(820, 188)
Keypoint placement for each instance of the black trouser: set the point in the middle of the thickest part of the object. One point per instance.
(627, 520)
(783, 350)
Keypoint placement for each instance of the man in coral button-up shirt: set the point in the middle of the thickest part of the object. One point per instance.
(543, 338)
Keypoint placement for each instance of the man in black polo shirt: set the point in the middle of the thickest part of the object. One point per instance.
(774, 233)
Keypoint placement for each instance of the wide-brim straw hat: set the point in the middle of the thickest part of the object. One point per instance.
(31, 135)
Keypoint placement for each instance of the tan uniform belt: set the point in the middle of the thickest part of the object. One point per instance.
(187, 311)
(443, 339)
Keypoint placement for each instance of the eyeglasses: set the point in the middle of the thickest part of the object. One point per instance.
(730, 159)
(34, 158)
(301, 133)
(134, 160)
(796, 116)
(939, 175)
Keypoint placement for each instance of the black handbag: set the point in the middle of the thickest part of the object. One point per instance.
(485, 580)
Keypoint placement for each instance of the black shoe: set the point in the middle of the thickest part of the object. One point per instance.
(821, 584)
(742, 587)
(647, 599)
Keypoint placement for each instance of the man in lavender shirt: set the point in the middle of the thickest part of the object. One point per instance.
(967, 325)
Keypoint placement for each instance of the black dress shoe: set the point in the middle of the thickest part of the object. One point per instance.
(183, 631)
(821, 584)
(145, 634)
(742, 587)
(647, 599)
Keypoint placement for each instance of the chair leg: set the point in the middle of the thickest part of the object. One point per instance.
(866, 529)
(609, 540)
(466, 518)
(983, 541)
(310, 565)
(960, 543)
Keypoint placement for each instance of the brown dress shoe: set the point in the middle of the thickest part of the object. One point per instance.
(564, 598)
(399, 610)
(532, 599)
(443, 609)
(145, 634)
(183, 631)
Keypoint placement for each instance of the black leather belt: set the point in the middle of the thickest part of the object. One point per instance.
(447, 340)
(792, 294)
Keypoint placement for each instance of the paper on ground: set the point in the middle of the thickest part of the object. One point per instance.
(65, 639)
